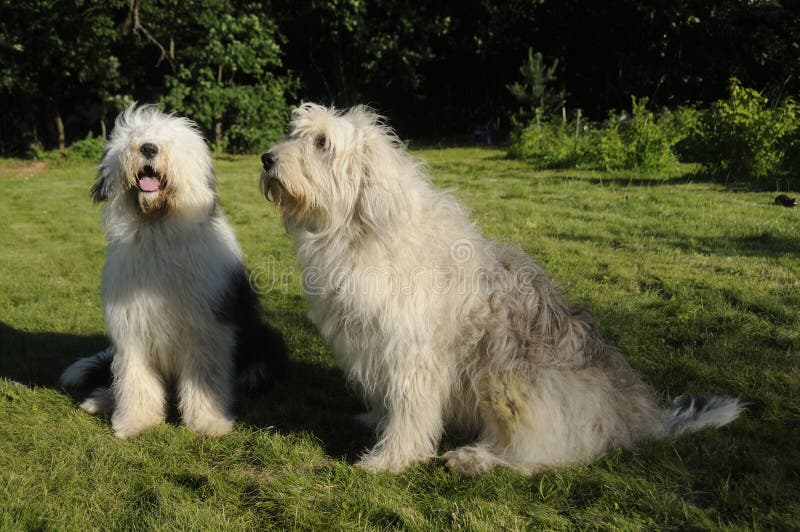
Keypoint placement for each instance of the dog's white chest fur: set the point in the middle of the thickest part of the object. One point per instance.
(159, 285)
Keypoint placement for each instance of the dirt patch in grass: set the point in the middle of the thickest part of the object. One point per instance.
(18, 167)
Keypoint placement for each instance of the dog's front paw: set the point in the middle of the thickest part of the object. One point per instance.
(383, 461)
(469, 461)
(127, 427)
(211, 425)
(100, 401)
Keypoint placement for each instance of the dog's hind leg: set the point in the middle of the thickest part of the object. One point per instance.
(502, 405)
(205, 385)
(553, 417)
(139, 393)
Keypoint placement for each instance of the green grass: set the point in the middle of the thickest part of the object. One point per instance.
(698, 283)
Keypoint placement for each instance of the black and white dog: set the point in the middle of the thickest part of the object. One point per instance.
(177, 302)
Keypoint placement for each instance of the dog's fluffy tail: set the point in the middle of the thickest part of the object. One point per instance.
(261, 358)
(89, 372)
(690, 413)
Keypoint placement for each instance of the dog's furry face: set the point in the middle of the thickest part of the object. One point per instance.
(336, 169)
(157, 164)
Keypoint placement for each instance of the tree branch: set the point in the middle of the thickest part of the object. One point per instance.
(133, 25)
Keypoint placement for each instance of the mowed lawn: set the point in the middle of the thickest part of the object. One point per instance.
(697, 282)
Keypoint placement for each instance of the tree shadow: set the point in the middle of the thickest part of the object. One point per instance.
(761, 245)
(314, 398)
(640, 178)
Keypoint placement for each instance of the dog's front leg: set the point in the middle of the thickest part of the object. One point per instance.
(139, 394)
(412, 424)
(205, 387)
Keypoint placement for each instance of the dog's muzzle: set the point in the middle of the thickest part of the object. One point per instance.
(268, 183)
(149, 150)
(268, 180)
(268, 160)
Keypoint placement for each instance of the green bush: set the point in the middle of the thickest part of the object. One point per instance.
(250, 116)
(257, 120)
(683, 125)
(743, 137)
(790, 161)
(230, 84)
(622, 143)
(88, 149)
(546, 145)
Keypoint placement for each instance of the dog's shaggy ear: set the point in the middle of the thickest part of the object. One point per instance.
(102, 184)
(381, 201)
(385, 169)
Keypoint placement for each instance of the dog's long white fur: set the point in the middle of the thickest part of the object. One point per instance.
(170, 257)
(441, 328)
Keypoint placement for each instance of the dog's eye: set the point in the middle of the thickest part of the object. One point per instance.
(320, 142)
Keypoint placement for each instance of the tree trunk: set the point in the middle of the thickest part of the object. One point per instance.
(103, 111)
(62, 138)
(218, 125)
(36, 144)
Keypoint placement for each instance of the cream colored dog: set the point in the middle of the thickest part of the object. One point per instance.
(440, 327)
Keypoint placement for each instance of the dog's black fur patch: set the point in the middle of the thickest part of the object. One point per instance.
(261, 355)
(785, 201)
(97, 371)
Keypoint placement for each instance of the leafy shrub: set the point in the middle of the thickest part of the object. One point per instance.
(546, 145)
(257, 120)
(250, 117)
(229, 84)
(624, 142)
(88, 149)
(683, 125)
(790, 162)
(631, 141)
(745, 138)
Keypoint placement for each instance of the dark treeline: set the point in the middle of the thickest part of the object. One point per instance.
(437, 68)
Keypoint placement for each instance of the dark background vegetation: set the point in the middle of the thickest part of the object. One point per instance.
(437, 69)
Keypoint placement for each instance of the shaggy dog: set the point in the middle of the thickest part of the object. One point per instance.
(440, 327)
(177, 302)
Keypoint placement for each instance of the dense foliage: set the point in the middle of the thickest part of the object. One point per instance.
(438, 69)
(625, 141)
(227, 80)
(744, 137)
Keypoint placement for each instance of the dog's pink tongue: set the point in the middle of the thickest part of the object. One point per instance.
(148, 184)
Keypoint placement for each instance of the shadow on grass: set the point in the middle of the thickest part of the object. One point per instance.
(760, 245)
(313, 398)
(37, 358)
(685, 173)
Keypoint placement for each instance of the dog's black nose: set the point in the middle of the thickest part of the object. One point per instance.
(268, 160)
(149, 150)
